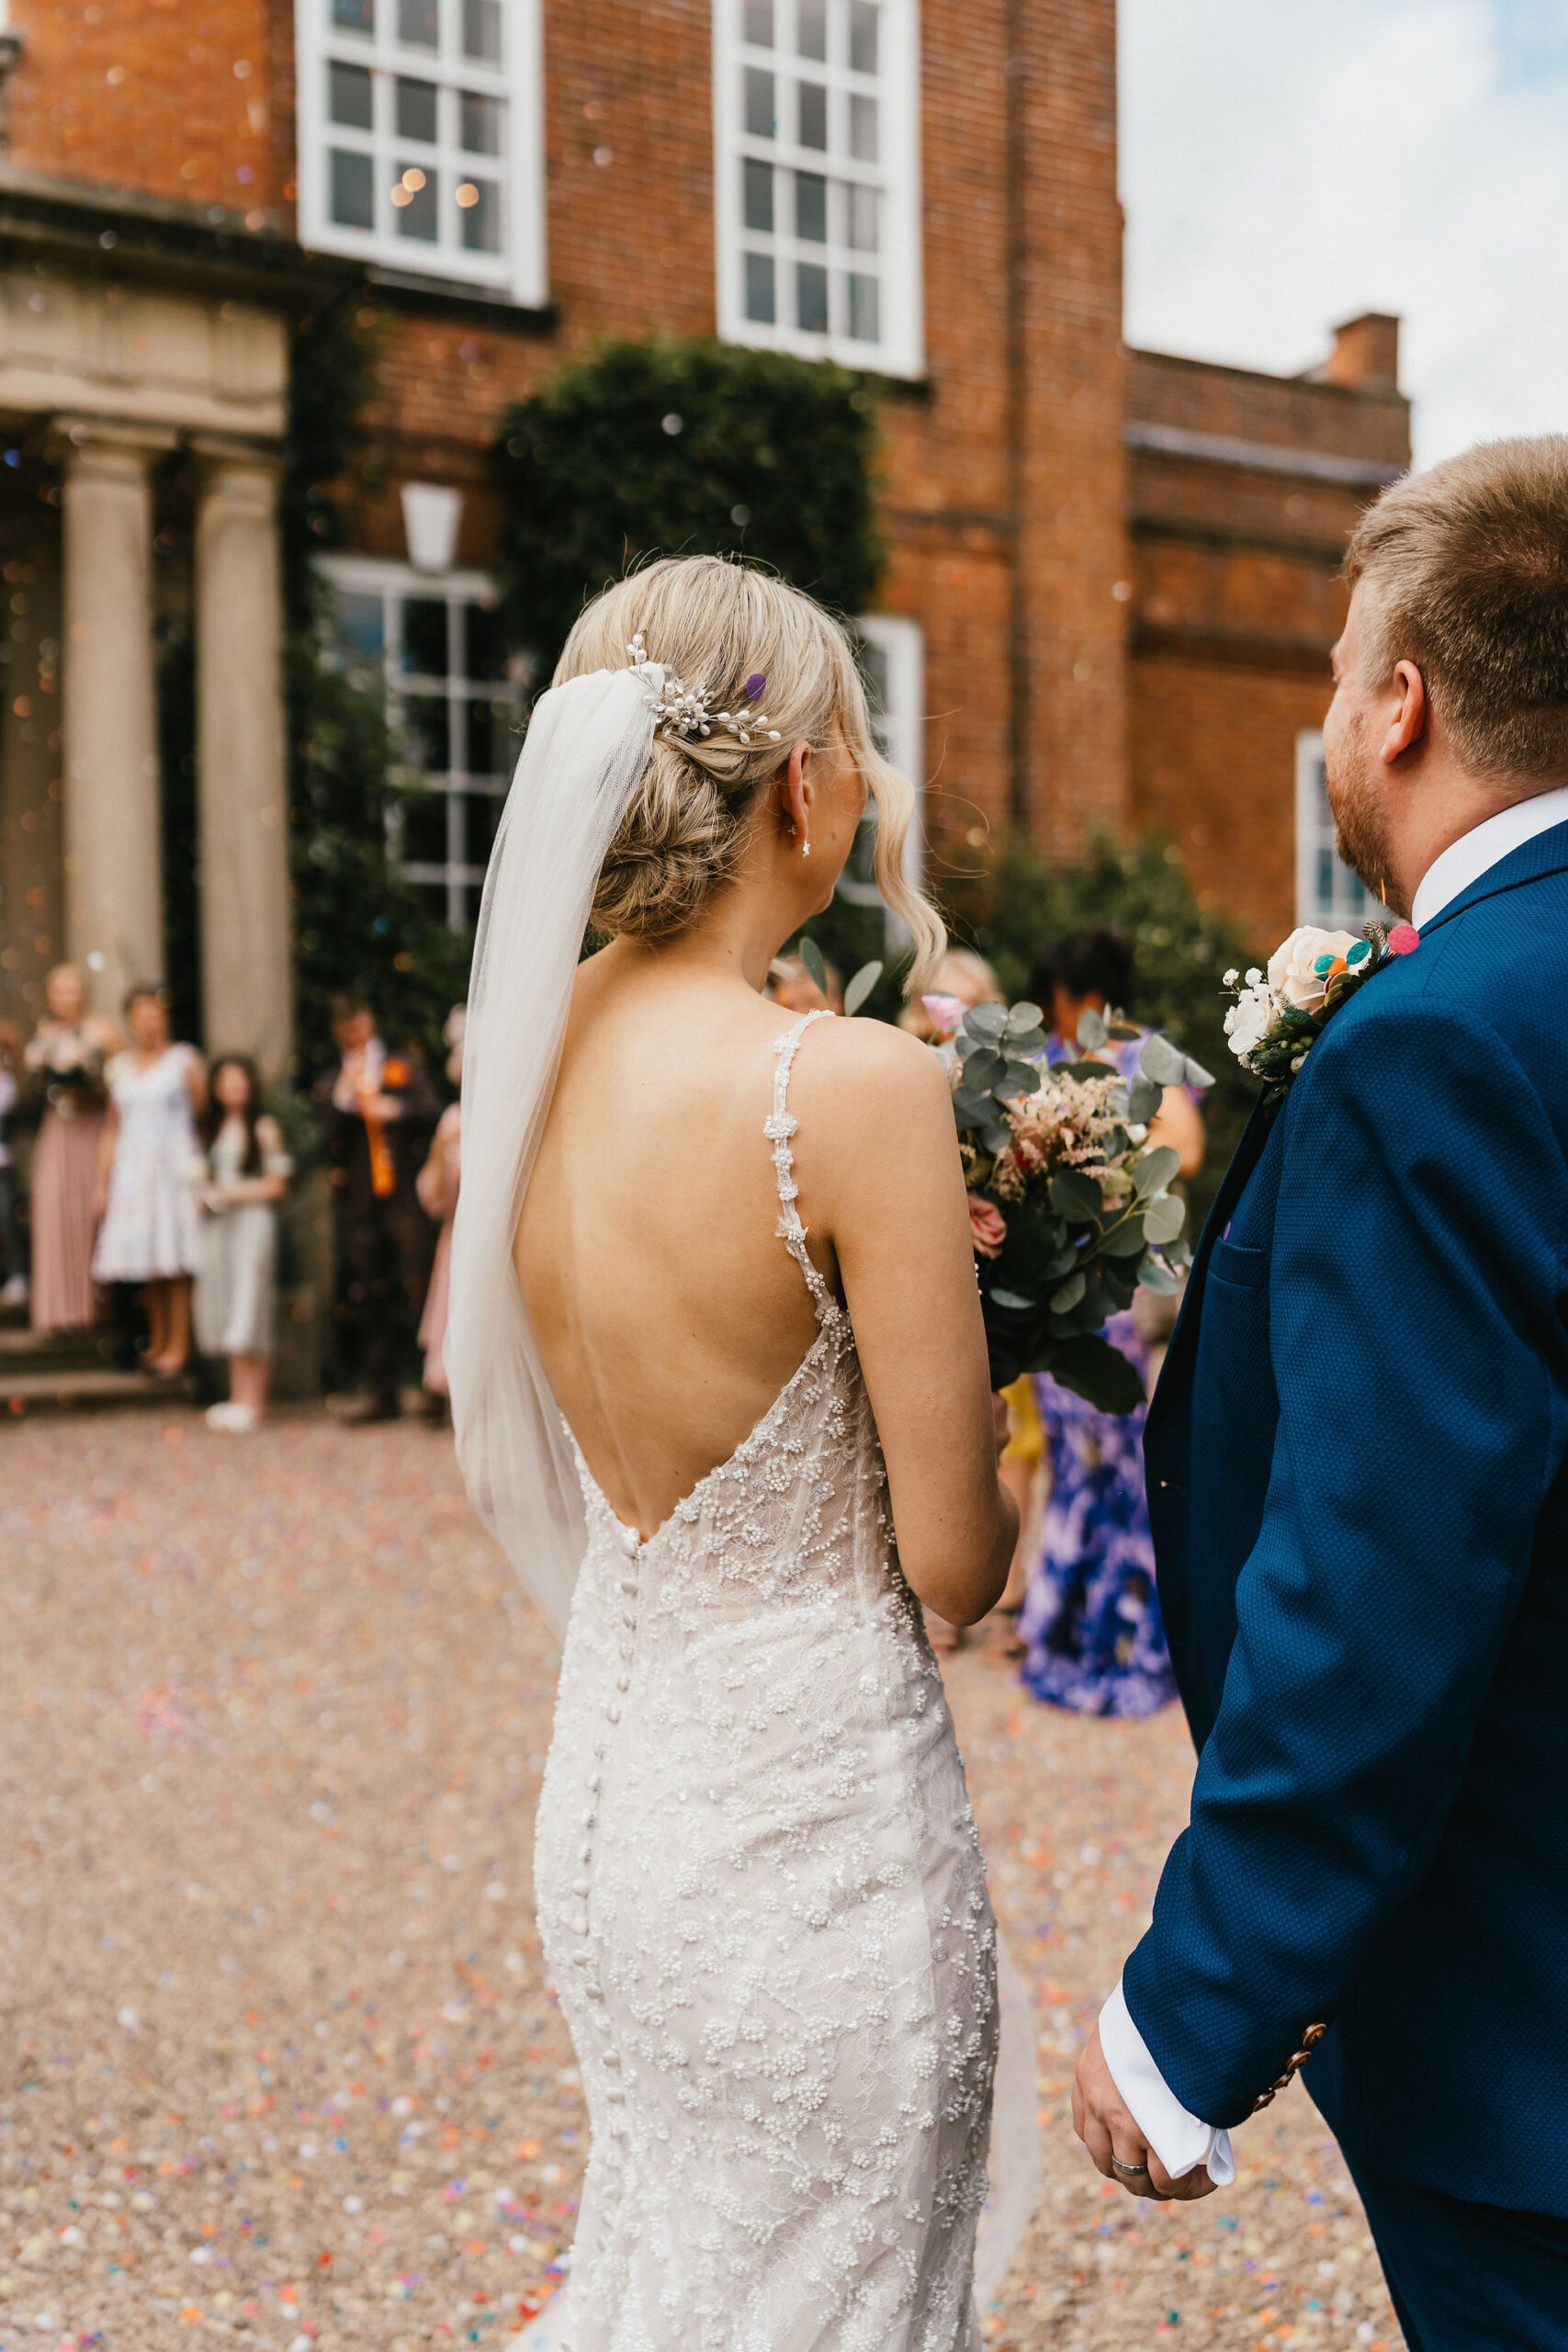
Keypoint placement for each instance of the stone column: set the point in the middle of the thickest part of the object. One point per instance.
(240, 756)
(114, 894)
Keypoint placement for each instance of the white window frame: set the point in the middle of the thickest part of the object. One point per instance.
(901, 348)
(462, 877)
(899, 726)
(1350, 903)
(519, 270)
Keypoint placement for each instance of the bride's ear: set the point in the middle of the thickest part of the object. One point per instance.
(797, 793)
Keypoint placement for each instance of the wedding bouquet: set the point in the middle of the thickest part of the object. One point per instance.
(1069, 1203)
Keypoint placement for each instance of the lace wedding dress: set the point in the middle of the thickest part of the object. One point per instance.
(760, 1894)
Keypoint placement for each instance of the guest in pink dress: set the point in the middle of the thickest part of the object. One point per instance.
(438, 1186)
(65, 1058)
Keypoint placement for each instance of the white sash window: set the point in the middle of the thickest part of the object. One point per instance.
(420, 137)
(1327, 893)
(818, 163)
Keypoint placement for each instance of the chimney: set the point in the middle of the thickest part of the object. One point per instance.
(1365, 355)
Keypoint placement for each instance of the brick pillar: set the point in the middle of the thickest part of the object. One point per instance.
(243, 809)
(113, 898)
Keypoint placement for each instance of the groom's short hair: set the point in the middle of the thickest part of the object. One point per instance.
(1464, 571)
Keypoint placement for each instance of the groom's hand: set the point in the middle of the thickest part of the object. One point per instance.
(1105, 2125)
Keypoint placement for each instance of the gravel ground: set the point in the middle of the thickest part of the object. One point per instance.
(279, 2059)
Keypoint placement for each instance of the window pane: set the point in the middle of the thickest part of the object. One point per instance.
(759, 196)
(353, 190)
(423, 828)
(424, 726)
(814, 114)
(483, 646)
(416, 110)
(812, 39)
(425, 637)
(348, 95)
(419, 23)
(864, 15)
(416, 214)
(481, 813)
(361, 623)
(479, 209)
(864, 204)
(481, 31)
(760, 289)
(866, 309)
(811, 208)
(863, 130)
(759, 23)
(759, 122)
(811, 297)
(480, 122)
(354, 16)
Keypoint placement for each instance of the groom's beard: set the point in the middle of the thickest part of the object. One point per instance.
(1360, 822)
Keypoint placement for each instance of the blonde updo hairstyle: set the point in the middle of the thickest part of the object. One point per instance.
(716, 624)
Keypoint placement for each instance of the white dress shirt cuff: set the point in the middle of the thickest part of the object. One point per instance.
(1177, 2139)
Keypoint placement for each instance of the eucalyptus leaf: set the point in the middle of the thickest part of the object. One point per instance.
(1124, 1240)
(1177, 1253)
(1154, 1170)
(1060, 1262)
(982, 1069)
(1091, 1029)
(860, 987)
(1143, 1099)
(1064, 1300)
(1098, 1373)
(1084, 1069)
(1197, 1075)
(1162, 1061)
(1153, 1276)
(973, 1110)
(811, 956)
(1022, 1019)
(1076, 1196)
(1164, 1218)
(1018, 1077)
(1010, 1298)
(986, 1020)
(1122, 1033)
(996, 1139)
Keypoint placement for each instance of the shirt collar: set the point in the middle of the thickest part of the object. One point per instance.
(1484, 846)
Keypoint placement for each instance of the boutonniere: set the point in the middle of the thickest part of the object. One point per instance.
(394, 1073)
(1280, 1015)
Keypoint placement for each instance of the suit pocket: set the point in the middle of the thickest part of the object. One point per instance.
(1233, 1262)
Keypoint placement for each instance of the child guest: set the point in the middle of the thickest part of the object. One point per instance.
(245, 1174)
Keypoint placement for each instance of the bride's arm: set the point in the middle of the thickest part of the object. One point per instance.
(878, 1148)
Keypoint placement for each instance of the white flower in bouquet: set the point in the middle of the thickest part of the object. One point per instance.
(1249, 1019)
(1292, 968)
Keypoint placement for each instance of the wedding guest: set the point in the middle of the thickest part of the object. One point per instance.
(65, 1058)
(379, 1109)
(437, 1185)
(12, 1239)
(792, 986)
(964, 978)
(157, 1091)
(1091, 1628)
(245, 1174)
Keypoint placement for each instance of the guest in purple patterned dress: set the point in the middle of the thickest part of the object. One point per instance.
(1093, 1636)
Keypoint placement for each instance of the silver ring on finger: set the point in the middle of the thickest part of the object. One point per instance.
(1129, 2172)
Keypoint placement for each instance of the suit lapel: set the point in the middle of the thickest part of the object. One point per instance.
(1247, 1154)
(1543, 854)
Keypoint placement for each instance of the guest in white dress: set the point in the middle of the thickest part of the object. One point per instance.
(245, 1174)
(148, 1236)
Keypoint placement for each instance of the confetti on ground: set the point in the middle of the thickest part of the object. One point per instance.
(281, 2059)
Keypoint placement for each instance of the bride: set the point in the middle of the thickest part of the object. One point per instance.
(719, 1385)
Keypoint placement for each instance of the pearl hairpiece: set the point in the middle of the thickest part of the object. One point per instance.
(681, 711)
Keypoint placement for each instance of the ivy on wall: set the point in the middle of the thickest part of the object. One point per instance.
(672, 447)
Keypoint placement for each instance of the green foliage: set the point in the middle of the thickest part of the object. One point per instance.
(1181, 952)
(359, 926)
(685, 449)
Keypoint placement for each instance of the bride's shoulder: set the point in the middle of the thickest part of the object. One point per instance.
(863, 1079)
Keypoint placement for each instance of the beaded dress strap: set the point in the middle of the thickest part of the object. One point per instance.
(778, 1130)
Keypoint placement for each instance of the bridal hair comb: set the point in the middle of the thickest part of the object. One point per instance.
(681, 711)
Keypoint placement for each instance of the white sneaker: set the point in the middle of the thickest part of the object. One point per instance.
(239, 1420)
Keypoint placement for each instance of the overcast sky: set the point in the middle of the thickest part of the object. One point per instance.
(1286, 164)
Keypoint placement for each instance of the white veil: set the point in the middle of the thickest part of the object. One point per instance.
(587, 745)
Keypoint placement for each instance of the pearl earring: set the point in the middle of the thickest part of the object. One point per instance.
(806, 848)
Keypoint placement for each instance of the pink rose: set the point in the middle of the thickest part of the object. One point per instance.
(944, 1013)
(1403, 939)
(987, 1226)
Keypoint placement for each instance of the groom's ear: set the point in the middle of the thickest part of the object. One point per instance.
(1407, 721)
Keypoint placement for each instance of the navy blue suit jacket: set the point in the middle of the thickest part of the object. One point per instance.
(1356, 1458)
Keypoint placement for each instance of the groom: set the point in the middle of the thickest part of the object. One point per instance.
(1356, 1479)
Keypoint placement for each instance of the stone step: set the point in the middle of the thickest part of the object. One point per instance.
(22, 1392)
